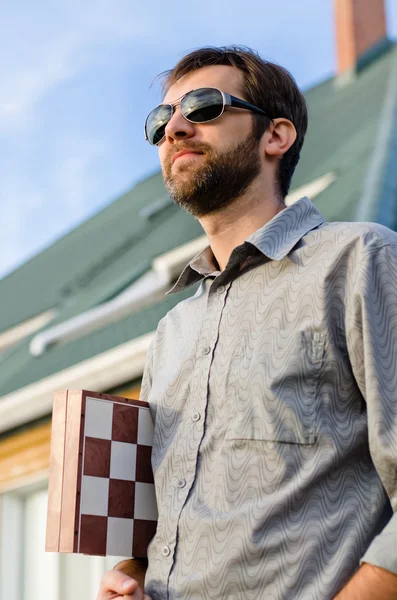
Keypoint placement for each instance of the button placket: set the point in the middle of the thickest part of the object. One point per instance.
(209, 336)
(186, 476)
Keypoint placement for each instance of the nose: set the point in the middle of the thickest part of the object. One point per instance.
(178, 127)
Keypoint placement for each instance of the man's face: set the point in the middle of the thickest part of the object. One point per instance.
(225, 156)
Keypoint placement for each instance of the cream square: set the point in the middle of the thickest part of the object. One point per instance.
(98, 418)
(119, 538)
(145, 427)
(123, 461)
(145, 502)
(94, 496)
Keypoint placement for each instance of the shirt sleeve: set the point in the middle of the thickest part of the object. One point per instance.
(147, 379)
(371, 328)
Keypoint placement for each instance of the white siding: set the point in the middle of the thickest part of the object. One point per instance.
(26, 570)
(11, 521)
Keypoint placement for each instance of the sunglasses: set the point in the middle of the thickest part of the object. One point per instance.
(198, 106)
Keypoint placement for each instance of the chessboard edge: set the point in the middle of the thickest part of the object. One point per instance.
(70, 497)
(55, 480)
(113, 398)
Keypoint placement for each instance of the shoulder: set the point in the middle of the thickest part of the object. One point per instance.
(363, 237)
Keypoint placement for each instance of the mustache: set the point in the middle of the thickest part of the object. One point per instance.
(193, 146)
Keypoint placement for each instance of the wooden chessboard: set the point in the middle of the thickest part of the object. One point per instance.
(101, 497)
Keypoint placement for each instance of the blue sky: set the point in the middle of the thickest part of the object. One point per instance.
(76, 88)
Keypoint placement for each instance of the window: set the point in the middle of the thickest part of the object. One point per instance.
(26, 570)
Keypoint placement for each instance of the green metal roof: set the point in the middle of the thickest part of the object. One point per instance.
(20, 368)
(343, 126)
(97, 258)
(102, 256)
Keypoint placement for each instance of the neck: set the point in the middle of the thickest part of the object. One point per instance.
(229, 227)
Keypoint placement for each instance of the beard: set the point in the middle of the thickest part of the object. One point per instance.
(223, 177)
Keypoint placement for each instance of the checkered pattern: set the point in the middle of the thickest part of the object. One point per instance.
(117, 509)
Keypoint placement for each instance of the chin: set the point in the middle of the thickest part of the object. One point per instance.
(185, 166)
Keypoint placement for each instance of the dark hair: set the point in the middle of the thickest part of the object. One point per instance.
(266, 85)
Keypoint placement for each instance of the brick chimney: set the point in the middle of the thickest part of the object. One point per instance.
(360, 32)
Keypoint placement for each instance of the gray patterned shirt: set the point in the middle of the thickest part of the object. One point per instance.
(274, 395)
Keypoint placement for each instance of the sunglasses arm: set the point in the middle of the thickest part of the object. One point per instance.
(233, 101)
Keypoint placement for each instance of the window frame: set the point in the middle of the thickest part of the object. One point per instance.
(13, 515)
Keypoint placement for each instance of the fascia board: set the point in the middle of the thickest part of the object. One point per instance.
(146, 290)
(169, 265)
(99, 373)
(312, 189)
(149, 288)
(13, 335)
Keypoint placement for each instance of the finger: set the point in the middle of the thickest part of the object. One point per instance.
(137, 595)
(116, 582)
(134, 568)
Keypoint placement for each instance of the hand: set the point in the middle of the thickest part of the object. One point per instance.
(370, 583)
(135, 568)
(115, 585)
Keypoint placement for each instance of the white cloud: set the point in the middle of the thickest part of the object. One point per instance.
(34, 214)
(64, 42)
(52, 179)
(62, 160)
(75, 176)
(17, 204)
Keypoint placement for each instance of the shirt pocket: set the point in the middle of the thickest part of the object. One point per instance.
(272, 389)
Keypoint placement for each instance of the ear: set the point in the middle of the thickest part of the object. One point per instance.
(280, 137)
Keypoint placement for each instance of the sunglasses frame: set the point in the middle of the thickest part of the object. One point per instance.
(228, 100)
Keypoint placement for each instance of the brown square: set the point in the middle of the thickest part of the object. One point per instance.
(125, 423)
(143, 534)
(97, 457)
(144, 471)
(121, 498)
(93, 535)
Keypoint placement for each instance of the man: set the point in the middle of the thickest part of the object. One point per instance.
(273, 389)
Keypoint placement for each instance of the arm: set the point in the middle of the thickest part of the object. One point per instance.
(370, 583)
(116, 584)
(371, 326)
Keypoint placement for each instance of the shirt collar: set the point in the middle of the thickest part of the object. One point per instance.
(275, 240)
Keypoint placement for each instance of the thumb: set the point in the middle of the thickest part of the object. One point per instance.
(129, 586)
(117, 582)
(135, 568)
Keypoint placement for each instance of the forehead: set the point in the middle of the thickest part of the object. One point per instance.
(225, 78)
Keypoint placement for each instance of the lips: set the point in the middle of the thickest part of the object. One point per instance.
(182, 153)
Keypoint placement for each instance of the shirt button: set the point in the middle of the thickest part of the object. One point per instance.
(166, 551)
(206, 350)
(181, 483)
(196, 417)
(221, 289)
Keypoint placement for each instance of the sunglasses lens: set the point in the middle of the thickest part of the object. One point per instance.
(202, 105)
(156, 123)
(198, 106)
